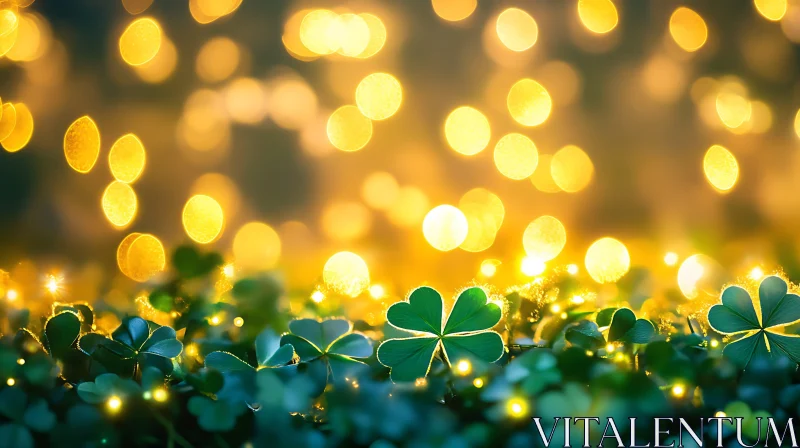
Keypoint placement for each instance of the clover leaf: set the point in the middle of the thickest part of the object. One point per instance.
(737, 315)
(465, 334)
(132, 343)
(215, 415)
(105, 386)
(330, 343)
(269, 354)
(24, 417)
(625, 327)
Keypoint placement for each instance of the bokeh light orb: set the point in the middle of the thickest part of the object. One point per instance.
(598, 16)
(162, 66)
(467, 130)
(772, 10)
(454, 10)
(8, 121)
(348, 129)
(380, 190)
(346, 273)
(409, 209)
(698, 274)
(377, 35)
(571, 168)
(688, 29)
(516, 156)
(217, 59)
(529, 102)
(145, 258)
(721, 168)
(119, 203)
(346, 221)
(445, 227)
(485, 213)
(544, 238)
(352, 33)
(140, 41)
(319, 31)
(378, 96)
(607, 260)
(127, 158)
(203, 218)
(256, 247)
(82, 144)
(516, 29)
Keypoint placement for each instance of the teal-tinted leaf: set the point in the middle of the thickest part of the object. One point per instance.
(726, 321)
(622, 322)
(60, 332)
(152, 378)
(284, 355)
(641, 333)
(586, 335)
(163, 342)
(789, 345)
(737, 300)
(18, 436)
(89, 393)
(321, 334)
(206, 381)
(226, 362)
(743, 350)
(304, 349)
(12, 402)
(215, 416)
(604, 316)
(786, 311)
(186, 260)
(408, 358)
(133, 332)
(354, 345)
(771, 293)
(267, 343)
(38, 416)
(343, 366)
(422, 312)
(477, 347)
(93, 344)
(471, 312)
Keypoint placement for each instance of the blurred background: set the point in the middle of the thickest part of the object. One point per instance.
(329, 126)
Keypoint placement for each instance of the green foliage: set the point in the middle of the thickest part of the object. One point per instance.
(737, 315)
(269, 354)
(465, 336)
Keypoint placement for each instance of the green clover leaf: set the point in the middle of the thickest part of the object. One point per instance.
(625, 327)
(737, 315)
(330, 343)
(105, 386)
(269, 354)
(215, 415)
(23, 417)
(465, 334)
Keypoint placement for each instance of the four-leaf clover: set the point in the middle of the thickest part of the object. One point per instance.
(464, 336)
(737, 315)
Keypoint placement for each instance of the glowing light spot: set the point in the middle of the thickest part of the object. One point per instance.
(346, 221)
(140, 41)
(690, 273)
(82, 144)
(377, 292)
(454, 10)
(245, 100)
(22, 132)
(463, 367)
(378, 96)
(445, 227)
(377, 35)
(221, 188)
(21, 361)
(238, 321)
(162, 66)
(572, 269)
(9, 30)
(293, 104)
(160, 395)
(756, 273)
(721, 168)
(542, 178)
(229, 270)
(489, 267)
(478, 383)
(126, 158)
(8, 120)
(119, 203)
(317, 296)
(720, 414)
(420, 382)
(52, 285)
(380, 190)
(714, 343)
(572, 170)
(114, 403)
(688, 29)
(517, 407)
(349, 130)
(192, 350)
(410, 207)
(772, 10)
(32, 40)
(598, 16)
(529, 102)
(122, 252)
(516, 29)
(203, 218)
(671, 259)
(578, 300)
(256, 246)
(532, 266)
(515, 156)
(217, 59)
(11, 381)
(555, 308)
(733, 109)
(352, 33)
(796, 121)
(610, 348)
(467, 130)
(319, 31)
(215, 320)
(544, 238)
(12, 295)
(346, 273)
(678, 390)
(145, 258)
(607, 260)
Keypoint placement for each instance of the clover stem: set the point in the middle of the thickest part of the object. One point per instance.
(174, 436)
(691, 327)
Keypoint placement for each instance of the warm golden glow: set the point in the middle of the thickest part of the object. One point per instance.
(349, 130)
(380, 190)
(256, 247)
(352, 33)
(598, 16)
(532, 266)
(140, 41)
(220, 187)
(114, 403)
(517, 407)
(445, 227)
(119, 203)
(772, 10)
(485, 213)
(688, 29)
(544, 238)
(690, 273)
(8, 120)
(319, 31)
(145, 258)
(377, 292)
(160, 395)
(378, 96)
(607, 260)
(410, 207)
(571, 168)
(245, 100)
(477, 382)
(22, 132)
(516, 29)
(467, 130)
(721, 168)
(238, 321)
(217, 59)
(542, 178)
(489, 267)
(733, 108)
(515, 156)
(346, 221)
(671, 259)
(756, 273)
(82, 144)
(463, 367)
(203, 218)
(126, 158)
(377, 35)
(136, 6)
(454, 10)
(529, 102)
(678, 391)
(162, 66)
(317, 296)
(346, 273)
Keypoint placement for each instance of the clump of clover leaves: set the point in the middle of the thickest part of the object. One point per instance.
(132, 344)
(330, 347)
(269, 354)
(737, 315)
(465, 334)
(24, 416)
(623, 327)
